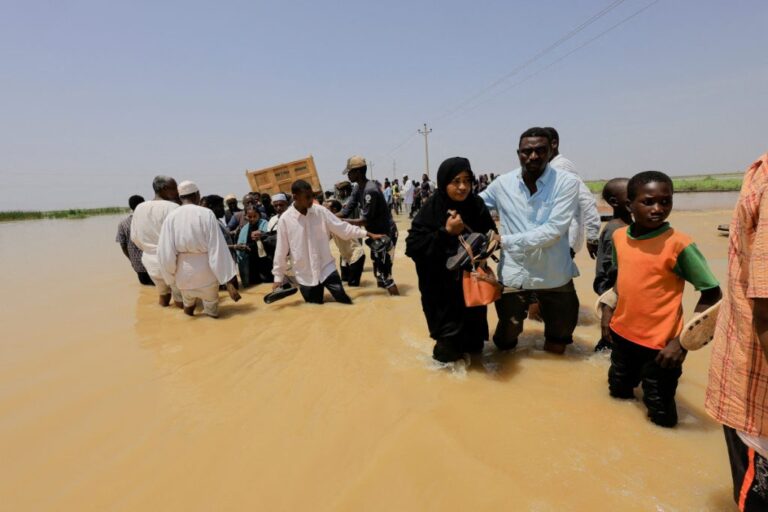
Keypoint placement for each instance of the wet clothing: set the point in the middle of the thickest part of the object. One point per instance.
(124, 238)
(378, 219)
(559, 310)
(255, 265)
(145, 279)
(455, 327)
(633, 364)
(314, 294)
(146, 223)
(749, 470)
(535, 251)
(605, 270)
(649, 310)
(738, 372)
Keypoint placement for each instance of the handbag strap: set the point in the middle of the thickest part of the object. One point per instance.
(467, 248)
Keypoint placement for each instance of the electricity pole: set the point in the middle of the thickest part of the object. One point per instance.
(425, 132)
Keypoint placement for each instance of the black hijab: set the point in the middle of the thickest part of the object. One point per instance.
(434, 212)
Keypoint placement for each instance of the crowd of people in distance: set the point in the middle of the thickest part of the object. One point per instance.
(540, 215)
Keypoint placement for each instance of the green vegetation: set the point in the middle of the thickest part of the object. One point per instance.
(717, 183)
(79, 213)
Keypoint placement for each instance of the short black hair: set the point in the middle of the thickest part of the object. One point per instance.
(135, 201)
(334, 205)
(536, 131)
(609, 185)
(553, 135)
(645, 177)
(300, 186)
(251, 207)
(213, 200)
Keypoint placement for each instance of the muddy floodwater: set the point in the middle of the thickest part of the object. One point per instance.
(109, 402)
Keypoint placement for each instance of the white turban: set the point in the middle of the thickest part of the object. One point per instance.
(279, 197)
(187, 188)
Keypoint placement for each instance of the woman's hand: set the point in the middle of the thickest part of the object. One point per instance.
(454, 225)
(256, 235)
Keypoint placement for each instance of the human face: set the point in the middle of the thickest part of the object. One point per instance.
(459, 187)
(280, 206)
(534, 154)
(218, 210)
(253, 216)
(652, 205)
(354, 175)
(171, 192)
(232, 204)
(303, 200)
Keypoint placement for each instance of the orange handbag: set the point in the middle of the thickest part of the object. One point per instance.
(480, 286)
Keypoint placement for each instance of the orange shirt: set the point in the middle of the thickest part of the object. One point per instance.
(737, 394)
(653, 269)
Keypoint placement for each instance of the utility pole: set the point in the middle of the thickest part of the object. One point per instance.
(425, 132)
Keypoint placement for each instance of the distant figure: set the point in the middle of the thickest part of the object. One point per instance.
(304, 232)
(147, 221)
(232, 208)
(426, 188)
(389, 197)
(351, 252)
(615, 194)
(376, 216)
(434, 235)
(654, 261)
(416, 199)
(268, 210)
(193, 253)
(131, 251)
(254, 262)
(586, 215)
(738, 371)
(397, 197)
(408, 195)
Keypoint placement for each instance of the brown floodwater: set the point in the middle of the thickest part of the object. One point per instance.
(109, 402)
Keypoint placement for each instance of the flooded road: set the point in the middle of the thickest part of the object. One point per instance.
(109, 402)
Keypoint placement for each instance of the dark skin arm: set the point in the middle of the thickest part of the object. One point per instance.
(760, 322)
(673, 355)
(592, 249)
(124, 247)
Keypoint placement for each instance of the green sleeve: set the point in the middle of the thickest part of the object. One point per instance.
(692, 266)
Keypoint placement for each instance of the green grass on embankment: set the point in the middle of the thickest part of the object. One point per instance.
(718, 183)
(77, 213)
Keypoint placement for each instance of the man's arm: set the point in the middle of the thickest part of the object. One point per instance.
(489, 196)
(590, 217)
(555, 227)
(342, 229)
(134, 235)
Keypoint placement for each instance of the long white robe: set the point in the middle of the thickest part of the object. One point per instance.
(192, 250)
(145, 231)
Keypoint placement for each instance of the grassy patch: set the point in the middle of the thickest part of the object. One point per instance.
(689, 184)
(78, 213)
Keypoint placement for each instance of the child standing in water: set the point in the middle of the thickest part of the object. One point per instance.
(615, 194)
(653, 262)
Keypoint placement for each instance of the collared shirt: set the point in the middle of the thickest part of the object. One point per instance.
(535, 251)
(124, 238)
(586, 215)
(147, 221)
(307, 239)
(737, 394)
(192, 251)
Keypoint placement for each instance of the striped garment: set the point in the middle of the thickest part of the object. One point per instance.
(737, 394)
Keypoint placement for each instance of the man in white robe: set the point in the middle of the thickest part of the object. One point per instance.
(145, 231)
(194, 255)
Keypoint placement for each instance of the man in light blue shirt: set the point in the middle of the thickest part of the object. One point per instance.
(536, 205)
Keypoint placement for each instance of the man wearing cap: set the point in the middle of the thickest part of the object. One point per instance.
(232, 208)
(146, 223)
(376, 217)
(193, 253)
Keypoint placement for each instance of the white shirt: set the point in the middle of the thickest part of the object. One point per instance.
(192, 250)
(272, 222)
(586, 214)
(147, 221)
(307, 239)
(408, 192)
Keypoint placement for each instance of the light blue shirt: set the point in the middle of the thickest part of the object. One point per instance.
(534, 228)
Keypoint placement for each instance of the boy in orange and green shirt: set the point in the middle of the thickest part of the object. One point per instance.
(653, 262)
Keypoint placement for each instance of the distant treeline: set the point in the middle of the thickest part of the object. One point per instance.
(77, 213)
(725, 183)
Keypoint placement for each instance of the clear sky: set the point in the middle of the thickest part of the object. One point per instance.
(100, 96)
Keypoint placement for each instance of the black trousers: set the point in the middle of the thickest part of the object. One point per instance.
(145, 279)
(314, 294)
(559, 310)
(633, 364)
(749, 470)
(382, 265)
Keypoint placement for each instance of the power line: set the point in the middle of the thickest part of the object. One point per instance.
(541, 53)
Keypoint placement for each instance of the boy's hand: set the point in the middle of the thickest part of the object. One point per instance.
(605, 323)
(673, 355)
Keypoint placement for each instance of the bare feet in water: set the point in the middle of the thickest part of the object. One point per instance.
(554, 348)
(393, 290)
(233, 292)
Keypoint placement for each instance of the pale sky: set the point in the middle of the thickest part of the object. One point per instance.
(100, 96)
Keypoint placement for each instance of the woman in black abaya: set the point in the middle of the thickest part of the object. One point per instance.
(434, 237)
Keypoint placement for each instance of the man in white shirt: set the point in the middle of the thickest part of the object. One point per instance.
(586, 215)
(193, 253)
(145, 232)
(408, 196)
(303, 231)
